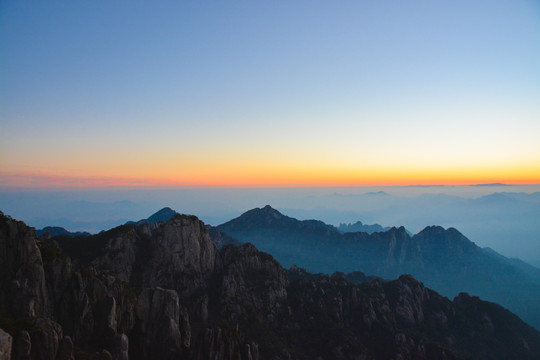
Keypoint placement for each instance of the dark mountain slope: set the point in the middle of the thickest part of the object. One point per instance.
(221, 239)
(520, 264)
(443, 259)
(52, 231)
(182, 299)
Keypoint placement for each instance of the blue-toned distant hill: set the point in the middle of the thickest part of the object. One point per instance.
(443, 259)
(52, 231)
(162, 215)
(360, 227)
(528, 269)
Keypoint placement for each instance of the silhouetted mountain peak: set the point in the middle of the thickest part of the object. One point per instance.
(270, 211)
(162, 215)
(432, 230)
(269, 218)
(264, 212)
(259, 218)
(52, 231)
(440, 232)
(397, 231)
(448, 240)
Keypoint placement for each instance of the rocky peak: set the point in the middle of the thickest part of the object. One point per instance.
(176, 254)
(162, 215)
(396, 233)
(22, 279)
(449, 240)
(52, 231)
(266, 212)
(258, 218)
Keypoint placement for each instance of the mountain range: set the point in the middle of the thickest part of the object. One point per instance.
(443, 259)
(163, 290)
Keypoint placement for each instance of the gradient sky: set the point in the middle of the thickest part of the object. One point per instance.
(272, 93)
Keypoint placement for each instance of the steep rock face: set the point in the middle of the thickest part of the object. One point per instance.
(92, 307)
(219, 344)
(396, 240)
(5, 345)
(162, 330)
(334, 319)
(181, 256)
(22, 279)
(22, 345)
(253, 285)
(120, 253)
(178, 254)
(46, 339)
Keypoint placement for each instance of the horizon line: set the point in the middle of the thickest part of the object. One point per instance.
(24, 182)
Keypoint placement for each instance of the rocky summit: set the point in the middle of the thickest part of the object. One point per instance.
(163, 290)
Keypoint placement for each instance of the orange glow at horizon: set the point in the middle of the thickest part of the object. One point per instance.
(267, 176)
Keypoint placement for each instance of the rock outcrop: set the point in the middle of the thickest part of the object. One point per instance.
(5, 345)
(157, 332)
(22, 279)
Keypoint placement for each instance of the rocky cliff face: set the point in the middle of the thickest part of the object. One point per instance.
(163, 290)
(22, 278)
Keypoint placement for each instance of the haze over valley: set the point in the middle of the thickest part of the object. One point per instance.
(501, 217)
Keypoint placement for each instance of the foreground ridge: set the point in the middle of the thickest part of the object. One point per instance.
(162, 290)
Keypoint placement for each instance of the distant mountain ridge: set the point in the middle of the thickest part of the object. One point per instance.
(527, 268)
(444, 259)
(52, 231)
(360, 227)
(162, 215)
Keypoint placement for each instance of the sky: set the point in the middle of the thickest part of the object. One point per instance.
(281, 93)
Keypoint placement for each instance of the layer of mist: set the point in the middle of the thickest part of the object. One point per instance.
(502, 217)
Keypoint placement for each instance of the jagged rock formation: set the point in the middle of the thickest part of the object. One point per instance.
(158, 329)
(163, 290)
(443, 259)
(360, 227)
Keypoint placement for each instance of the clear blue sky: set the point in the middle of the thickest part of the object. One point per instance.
(279, 93)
